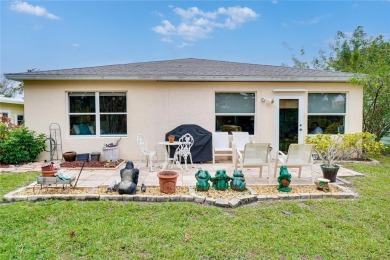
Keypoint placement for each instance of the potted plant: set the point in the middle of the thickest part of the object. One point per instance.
(329, 150)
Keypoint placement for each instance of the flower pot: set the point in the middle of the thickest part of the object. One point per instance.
(49, 173)
(330, 173)
(69, 156)
(171, 138)
(167, 180)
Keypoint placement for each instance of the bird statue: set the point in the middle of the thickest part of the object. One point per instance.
(143, 187)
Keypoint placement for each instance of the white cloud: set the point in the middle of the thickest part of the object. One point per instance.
(24, 7)
(75, 45)
(196, 24)
(312, 21)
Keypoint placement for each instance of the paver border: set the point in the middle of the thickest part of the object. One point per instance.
(345, 193)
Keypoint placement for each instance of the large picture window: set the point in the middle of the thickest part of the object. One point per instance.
(235, 112)
(326, 113)
(97, 113)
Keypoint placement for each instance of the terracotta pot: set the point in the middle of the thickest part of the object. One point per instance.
(167, 180)
(49, 173)
(330, 173)
(171, 138)
(69, 156)
(48, 167)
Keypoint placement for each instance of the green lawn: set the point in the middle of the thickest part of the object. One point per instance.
(316, 229)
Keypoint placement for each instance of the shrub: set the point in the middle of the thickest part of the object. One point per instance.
(361, 146)
(20, 144)
(331, 148)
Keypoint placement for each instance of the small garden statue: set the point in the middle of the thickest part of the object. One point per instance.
(238, 181)
(202, 178)
(221, 180)
(284, 179)
(129, 179)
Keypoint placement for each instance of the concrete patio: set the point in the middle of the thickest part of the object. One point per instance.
(103, 177)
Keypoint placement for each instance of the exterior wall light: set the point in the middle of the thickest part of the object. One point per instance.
(267, 100)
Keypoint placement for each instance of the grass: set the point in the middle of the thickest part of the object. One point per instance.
(316, 229)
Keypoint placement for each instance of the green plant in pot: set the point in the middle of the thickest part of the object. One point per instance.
(329, 149)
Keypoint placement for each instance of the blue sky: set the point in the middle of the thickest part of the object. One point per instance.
(48, 35)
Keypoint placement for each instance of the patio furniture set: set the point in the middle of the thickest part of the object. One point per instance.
(244, 153)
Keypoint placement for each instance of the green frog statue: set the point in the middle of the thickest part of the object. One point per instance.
(221, 180)
(202, 178)
(284, 179)
(238, 181)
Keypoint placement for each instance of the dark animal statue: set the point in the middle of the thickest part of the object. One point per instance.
(129, 179)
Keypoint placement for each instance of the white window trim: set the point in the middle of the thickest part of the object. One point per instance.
(96, 114)
(346, 114)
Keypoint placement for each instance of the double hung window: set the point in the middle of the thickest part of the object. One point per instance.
(97, 113)
(326, 111)
(235, 112)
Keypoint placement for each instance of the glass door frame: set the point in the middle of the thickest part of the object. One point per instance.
(301, 117)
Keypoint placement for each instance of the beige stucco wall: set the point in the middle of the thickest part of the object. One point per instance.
(12, 109)
(154, 108)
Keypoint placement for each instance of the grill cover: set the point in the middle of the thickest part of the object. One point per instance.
(201, 151)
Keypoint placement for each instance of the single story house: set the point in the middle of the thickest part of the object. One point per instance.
(98, 105)
(12, 108)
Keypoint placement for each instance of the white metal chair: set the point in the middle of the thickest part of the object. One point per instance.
(184, 150)
(255, 155)
(298, 155)
(221, 145)
(240, 139)
(143, 146)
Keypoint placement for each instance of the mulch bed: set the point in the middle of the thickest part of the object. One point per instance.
(90, 164)
(180, 190)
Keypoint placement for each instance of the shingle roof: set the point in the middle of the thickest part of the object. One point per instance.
(185, 70)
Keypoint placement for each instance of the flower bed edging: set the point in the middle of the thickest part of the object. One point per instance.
(345, 193)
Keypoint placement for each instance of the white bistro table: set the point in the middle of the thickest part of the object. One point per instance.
(168, 145)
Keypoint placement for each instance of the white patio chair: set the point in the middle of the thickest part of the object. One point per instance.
(240, 139)
(221, 145)
(143, 147)
(184, 150)
(298, 155)
(255, 155)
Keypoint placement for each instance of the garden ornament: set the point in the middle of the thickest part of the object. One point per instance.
(221, 180)
(202, 178)
(129, 179)
(284, 179)
(238, 181)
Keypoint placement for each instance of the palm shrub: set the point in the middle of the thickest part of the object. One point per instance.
(18, 145)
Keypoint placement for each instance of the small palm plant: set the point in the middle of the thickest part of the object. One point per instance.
(329, 148)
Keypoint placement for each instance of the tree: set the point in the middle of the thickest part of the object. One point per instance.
(10, 88)
(369, 59)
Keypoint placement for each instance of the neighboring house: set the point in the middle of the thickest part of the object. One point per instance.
(12, 108)
(97, 105)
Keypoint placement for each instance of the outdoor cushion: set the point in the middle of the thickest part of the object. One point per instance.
(91, 129)
(84, 129)
(76, 129)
